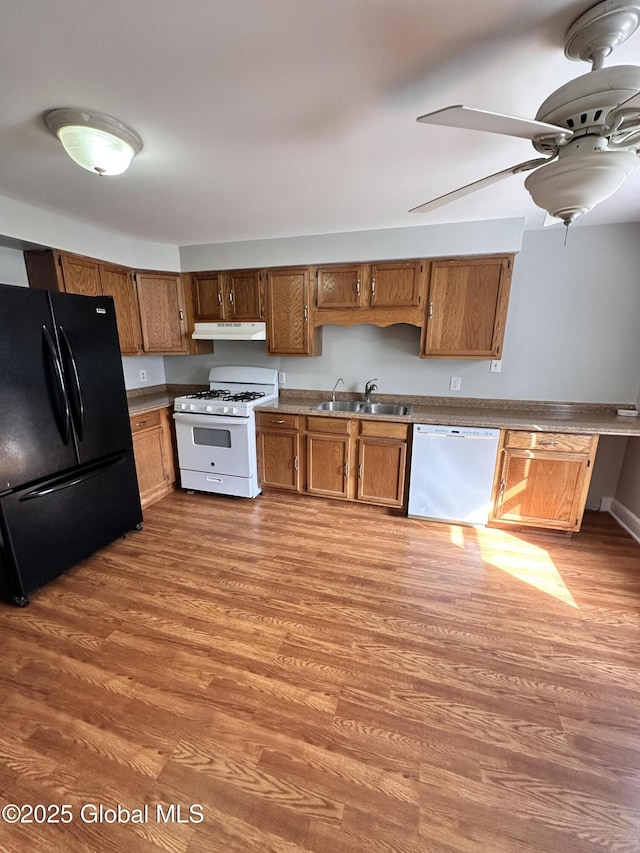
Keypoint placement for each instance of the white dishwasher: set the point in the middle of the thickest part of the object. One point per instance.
(452, 471)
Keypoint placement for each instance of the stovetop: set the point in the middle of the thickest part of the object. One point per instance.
(227, 395)
(233, 391)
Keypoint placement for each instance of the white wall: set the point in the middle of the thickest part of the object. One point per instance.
(572, 329)
(25, 222)
(424, 241)
(12, 268)
(154, 366)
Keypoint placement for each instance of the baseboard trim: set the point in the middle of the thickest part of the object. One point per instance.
(605, 504)
(625, 518)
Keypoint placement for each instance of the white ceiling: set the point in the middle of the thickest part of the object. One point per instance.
(271, 118)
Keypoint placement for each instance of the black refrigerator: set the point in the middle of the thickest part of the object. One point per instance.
(68, 482)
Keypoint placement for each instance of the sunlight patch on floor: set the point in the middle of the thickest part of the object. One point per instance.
(522, 560)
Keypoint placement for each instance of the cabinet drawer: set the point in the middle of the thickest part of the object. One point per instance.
(336, 426)
(144, 420)
(552, 441)
(384, 429)
(276, 420)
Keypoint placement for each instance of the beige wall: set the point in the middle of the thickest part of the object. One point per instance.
(628, 491)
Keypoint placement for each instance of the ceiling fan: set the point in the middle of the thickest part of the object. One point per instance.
(588, 130)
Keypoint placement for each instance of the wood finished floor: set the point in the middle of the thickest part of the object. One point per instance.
(328, 677)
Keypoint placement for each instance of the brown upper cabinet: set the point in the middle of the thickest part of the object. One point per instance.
(380, 293)
(467, 307)
(154, 311)
(289, 321)
(231, 296)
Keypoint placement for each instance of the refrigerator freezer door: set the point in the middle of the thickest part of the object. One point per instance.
(90, 352)
(35, 437)
(47, 528)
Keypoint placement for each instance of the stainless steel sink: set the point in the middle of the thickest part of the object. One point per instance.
(339, 406)
(384, 409)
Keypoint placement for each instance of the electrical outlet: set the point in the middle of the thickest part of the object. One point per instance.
(143, 376)
(282, 377)
(455, 383)
(496, 366)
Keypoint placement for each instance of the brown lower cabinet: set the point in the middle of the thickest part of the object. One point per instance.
(278, 438)
(153, 451)
(344, 458)
(542, 479)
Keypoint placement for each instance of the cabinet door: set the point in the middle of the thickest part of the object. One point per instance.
(467, 308)
(541, 489)
(398, 284)
(279, 459)
(118, 283)
(152, 452)
(161, 304)
(288, 293)
(328, 465)
(244, 296)
(81, 275)
(208, 298)
(381, 471)
(339, 287)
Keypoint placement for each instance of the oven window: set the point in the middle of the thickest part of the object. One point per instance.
(212, 437)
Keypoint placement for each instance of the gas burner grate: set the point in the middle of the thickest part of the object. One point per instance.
(210, 395)
(243, 396)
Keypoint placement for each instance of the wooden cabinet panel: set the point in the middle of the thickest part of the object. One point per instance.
(244, 296)
(161, 312)
(276, 420)
(207, 298)
(339, 286)
(81, 275)
(328, 464)
(288, 296)
(279, 459)
(541, 490)
(153, 452)
(119, 284)
(467, 307)
(381, 471)
(550, 441)
(397, 284)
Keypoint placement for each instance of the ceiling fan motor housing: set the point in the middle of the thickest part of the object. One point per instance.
(585, 103)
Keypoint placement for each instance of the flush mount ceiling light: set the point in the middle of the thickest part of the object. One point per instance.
(97, 142)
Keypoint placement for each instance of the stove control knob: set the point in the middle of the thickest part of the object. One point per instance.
(209, 408)
(192, 407)
(234, 411)
(183, 405)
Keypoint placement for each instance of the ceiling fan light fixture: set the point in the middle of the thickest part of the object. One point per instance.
(97, 142)
(572, 186)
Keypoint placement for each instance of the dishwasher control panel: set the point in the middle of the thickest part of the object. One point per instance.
(471, 432)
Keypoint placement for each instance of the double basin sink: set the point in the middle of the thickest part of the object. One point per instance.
(363, 408)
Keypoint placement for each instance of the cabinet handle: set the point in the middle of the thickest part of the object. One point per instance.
(231, 296)
(181, 316)
(276, 421)
(357, 288)
(360, 471)
(295, 463)
(547, 441)
(430, 310)
(373, 287)
(346, 469)
(219, 298)
(306, 313)
(141, 423)
(503, 483)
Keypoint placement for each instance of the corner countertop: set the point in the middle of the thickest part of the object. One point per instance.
(542, 416)
(157, 396)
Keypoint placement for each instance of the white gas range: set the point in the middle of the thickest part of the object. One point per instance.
(216, 431)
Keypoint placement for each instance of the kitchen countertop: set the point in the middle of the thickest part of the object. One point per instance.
(531, 415)
(157, 396)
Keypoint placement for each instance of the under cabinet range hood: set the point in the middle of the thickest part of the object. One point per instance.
(230, 332)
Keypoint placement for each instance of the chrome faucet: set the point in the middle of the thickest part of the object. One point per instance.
(369, 388)
(333, 393)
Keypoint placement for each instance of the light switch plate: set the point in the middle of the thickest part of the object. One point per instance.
(496, 366)
(455, 383)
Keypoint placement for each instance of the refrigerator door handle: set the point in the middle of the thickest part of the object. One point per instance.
(76, 395)
(62, 483)
(65, 426)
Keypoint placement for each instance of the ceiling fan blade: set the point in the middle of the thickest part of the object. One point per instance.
(472, 119)
(477, 185)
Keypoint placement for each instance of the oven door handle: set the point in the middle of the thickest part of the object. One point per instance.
(211, 421)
